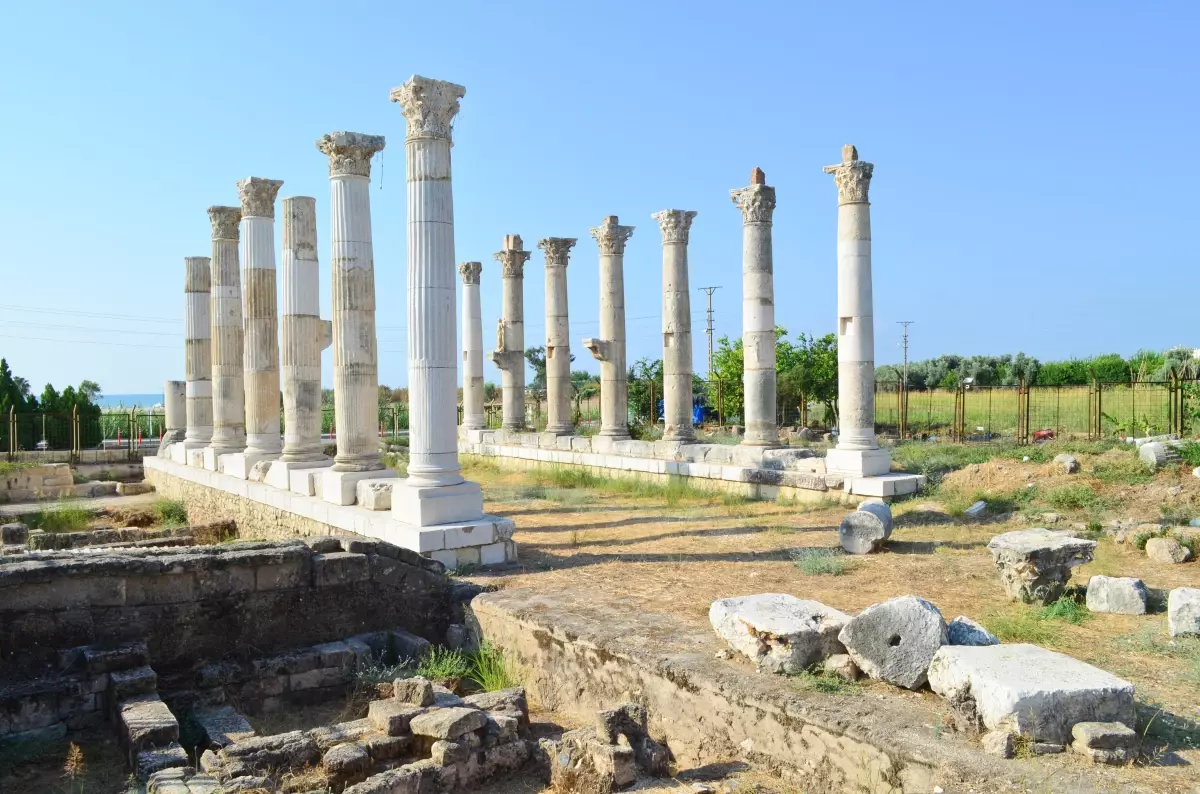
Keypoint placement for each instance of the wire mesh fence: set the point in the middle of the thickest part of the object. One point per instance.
(132, 430)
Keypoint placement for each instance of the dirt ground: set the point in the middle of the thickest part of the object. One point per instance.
(677, 554)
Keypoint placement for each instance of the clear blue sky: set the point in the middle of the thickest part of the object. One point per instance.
(1034, 185)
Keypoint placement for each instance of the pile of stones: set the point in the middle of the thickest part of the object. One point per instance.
(606, 757)
(422, 738)
(1004, 690)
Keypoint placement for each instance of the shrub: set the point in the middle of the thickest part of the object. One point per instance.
(65, 518)
(821, 562)
(1065, 608)
(444, 666)
(491, 669)
(1073, 497)
(1190, 452)
(171, 512)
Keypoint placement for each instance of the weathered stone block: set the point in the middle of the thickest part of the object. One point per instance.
(1028, 689)
(382, 747)
(145, 721)
(1168, 551)
(1105, 742)
(778, 632)
(222, 726)
(447, 723)
(120, 657)
(14, 534)
(964, 631)
(124, 684)
(445, 753)
(345, 760)
(895, 641)
(1183, 612)
(293, 749)
(415, 691)
(158, 758)
(339, 568)
(391, 716)
(1121, 595)
(1035, 564)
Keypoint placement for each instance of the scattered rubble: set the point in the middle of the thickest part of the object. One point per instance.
(894, 641)
(607, 757)
(1035, 564)
(779, 633)
(1105, 742)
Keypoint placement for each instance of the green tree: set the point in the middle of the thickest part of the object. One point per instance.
(642, 374)
(808, 372)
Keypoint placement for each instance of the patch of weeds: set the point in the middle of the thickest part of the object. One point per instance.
(444, 666)
(66, 518)
(821, 562)
(1020, 625)
(1065, 608)
(1140, 539)
(1022, 746)
(732, 499)
(13, 467)
(397, 461)
(815, 679)
(479, 464)
(1094, 531)
(465, 569)
(1185, 650)
(531, 492)
(577, 537)
(1122, 471)
(779, 529)
(1189, 542)
(570, 477)
(1154, 721)
(492, 670)
(371, 672)
(171, 512)
(1074, 497)
(1190, 452)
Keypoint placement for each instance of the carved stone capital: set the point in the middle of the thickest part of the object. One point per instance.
(757, 202)
(258, 196)
(429, 106)
(853, 177)
(611, 237)
(350, 153)
(470, 271)
(675, 224)
(225, 222)
(512, 259)
(557, 250)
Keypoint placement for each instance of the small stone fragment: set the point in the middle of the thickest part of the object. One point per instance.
(998, 743)
(1046, 748)
(778, 632)
(447, 723)
(964, 631)
(1121, 595)
(976, 510)
(842, 666)
(416, 691)
(1183, 612)
(391, 716)
(628, 719)
(1168, 551)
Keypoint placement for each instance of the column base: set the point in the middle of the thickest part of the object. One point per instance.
(560, 430)
(424, 506)
(241, 464)
(280, 473)
(341, 487)
(213, 456)
(858, 462)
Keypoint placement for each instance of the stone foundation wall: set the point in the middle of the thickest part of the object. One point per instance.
(204, 603)
(48, 481)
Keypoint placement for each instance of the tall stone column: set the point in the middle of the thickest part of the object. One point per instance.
(609, 348)
(509, 356)
(857, 451)
(228, 384)
(197, 340)
(558, 335)
(263, 438)
(303, 336)
(757, 203)
(472, 332)
(174, 415)
(437, 493)
(355, 346)
(677, 325)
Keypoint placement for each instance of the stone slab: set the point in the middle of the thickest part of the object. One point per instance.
(241, 464)
(426, 506)
(858, 462)
(340, 487)
(778, 632)
(280, 473)
(1033, 691)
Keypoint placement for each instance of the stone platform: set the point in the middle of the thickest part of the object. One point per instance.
(265, 511)
(756, 472)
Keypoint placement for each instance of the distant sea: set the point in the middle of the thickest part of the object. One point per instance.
(130, 400)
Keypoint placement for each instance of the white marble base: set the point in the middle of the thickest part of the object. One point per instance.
(179, 453)
(376, 493)
(280, 473)
(341, 487)
(858, 462)
(484, 541)
(241, 464)
(426, 506)
(306, 482)
(212, 460)
(884, 485)
(195, 457)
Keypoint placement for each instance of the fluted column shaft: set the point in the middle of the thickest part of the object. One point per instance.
(558, 335)
(228, 384)
(175, 411)
(757, 203)
(302, 332)
(197, 340)
(676, 326)
(262, 315)
(472, 331)
(856, 321)
(609, 349)
(510, 338)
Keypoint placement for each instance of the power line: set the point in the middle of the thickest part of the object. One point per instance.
(137, 318)
(87, 341)
(709, 329)
(88, 328)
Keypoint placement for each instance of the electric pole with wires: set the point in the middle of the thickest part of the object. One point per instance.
(709, 328)
(903, 398)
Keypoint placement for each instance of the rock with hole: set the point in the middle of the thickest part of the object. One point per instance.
(894, 641)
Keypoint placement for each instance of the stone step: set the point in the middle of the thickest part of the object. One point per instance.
(121, 657)
(222, 726)
(124, 684)
(156, 759)
(144, 721)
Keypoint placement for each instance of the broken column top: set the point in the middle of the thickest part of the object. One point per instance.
(512, 257)
(258, 196)
(853, 176)
(611, 236)
(758, 176)
(350, 153)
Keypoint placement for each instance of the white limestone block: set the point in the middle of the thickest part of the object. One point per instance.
(1183, 612)
(375, 494)
(426, 506)
(1029, 690)
(340, 487)
(446, 557)
(778, 632)
(492, 554)
(1122, 595)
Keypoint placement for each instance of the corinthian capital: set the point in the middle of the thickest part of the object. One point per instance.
(557, 250)
(350, 153)
(470, 271)
(429, 106)
(853, 177)
(225, 222)
(757, 202)
(512, 259)
(610, 236)
(675, 224)
(258, 196)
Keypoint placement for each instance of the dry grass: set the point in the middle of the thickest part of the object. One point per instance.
(677, 555)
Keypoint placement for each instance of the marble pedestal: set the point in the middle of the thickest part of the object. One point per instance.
(240, 464)
(858, 462)
(429, 506)
(280, 473)
(181, 451)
